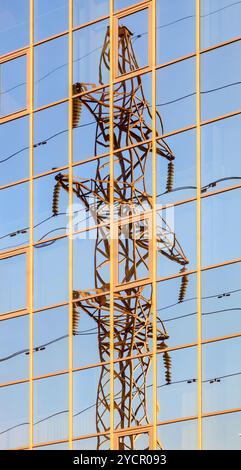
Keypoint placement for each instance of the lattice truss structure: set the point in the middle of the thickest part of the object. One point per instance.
(133, 245)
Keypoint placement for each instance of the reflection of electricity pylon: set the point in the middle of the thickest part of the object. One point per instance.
(133, 304)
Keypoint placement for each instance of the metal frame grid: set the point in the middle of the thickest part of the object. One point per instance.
(29, 248)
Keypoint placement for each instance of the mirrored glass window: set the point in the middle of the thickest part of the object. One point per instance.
(13, 88)
(221, 163)
(91, 124)
(84, 260)
(176, 239)
(14, 158)
(133, 111)
(92, 443)
(119, 4)
(133, 408)
(89, 11)
(50, 18)
(51, 409)
(14, 25)
(51, 138)
(221, 375)
(87, 392)
(220, 21)
(133, 37)
(51, 71)
(176, 100)
(51, 273)
(14, 426)
(222, 432)
(134, 441)
(51, 341)
(176, 167)
(179, 436)
(221, 296)
(219, 219)
(14, 348)
(51, 205)
(14, 211)
(175, 19)
(129, 337)
(90, 197)
(61, 446)
(91, 62)
(177, 311)
(90, 330)
(177, 384)
(14, 283)
(221, 81)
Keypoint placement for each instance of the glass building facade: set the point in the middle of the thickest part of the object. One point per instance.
(120, 254)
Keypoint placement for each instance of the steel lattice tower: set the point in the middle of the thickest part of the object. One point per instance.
(133, 301)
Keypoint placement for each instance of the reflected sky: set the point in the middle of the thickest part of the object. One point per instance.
(14, 25)
(221, 293)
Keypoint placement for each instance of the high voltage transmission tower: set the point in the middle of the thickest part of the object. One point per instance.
(132, 126)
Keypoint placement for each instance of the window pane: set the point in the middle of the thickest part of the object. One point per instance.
(14, 348)
(133, 42)
(51, 341)
(176, 311)
(61, 446)
(176, 381)
(221, 375)
(92, 443)
(91, 330)
(124, 3)
(50, 18)
(176, 167)
(14, 158)
(85, 263)
(14, 425)
(176, 101)
(14, 283)
(13, 86)
(133, 188)
(222, 432)
(51, 71)
(221, 81)
(51, 409)
(176, 243)
(91, 124)
(88, 66)
(133, 392)
(220, 21)
(90, 386)
(14, 209)
(14, 25)
(51, 273)
(220, 214)
(133, 112)
(89, 11)
(175, 19)
(140, 441)
(134, 251)
(132, 310)
(179, 436)
(221, 292)
(51, 138)
(221, 164)
(51, 203)
(91, 194)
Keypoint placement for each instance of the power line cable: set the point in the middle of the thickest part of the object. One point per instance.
(177, 382)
